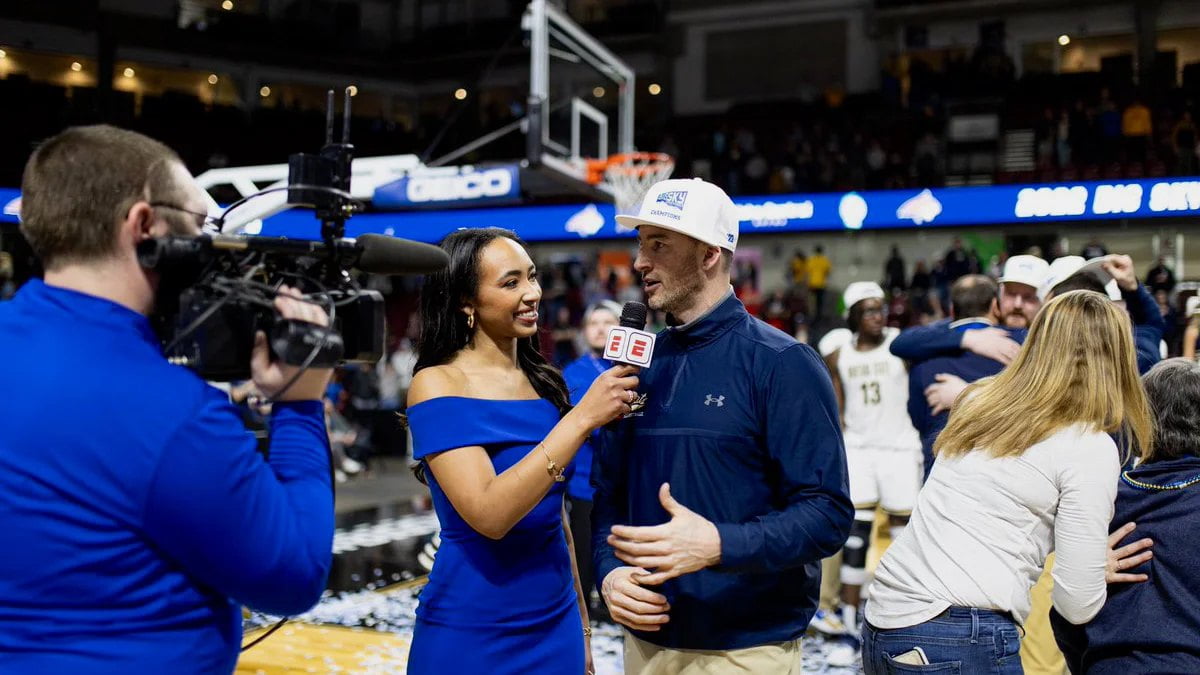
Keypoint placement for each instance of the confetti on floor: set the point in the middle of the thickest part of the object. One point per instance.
(369, 632)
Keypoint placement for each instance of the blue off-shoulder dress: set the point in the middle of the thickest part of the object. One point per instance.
(495, 606)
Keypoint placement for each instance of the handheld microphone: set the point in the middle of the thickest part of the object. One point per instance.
(628, 343)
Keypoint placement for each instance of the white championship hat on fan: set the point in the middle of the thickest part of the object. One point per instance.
(859, 291)
(1095, 266)
(1025, 269)
(1068, 266)
(691, 207)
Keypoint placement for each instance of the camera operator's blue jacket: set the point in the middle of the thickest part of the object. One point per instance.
(136, 513)
(741, 420)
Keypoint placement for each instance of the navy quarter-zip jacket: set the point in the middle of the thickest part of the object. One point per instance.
(741, 420)
(1151, 626)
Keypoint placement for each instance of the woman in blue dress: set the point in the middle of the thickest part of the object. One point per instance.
(494, 431)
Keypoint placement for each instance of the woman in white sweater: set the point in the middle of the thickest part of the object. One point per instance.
(1026, 466)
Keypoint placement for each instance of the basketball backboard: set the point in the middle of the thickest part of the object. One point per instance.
(580, 105)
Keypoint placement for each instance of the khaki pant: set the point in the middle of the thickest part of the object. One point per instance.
(644, 658)
(1039, 651)
(831, 582)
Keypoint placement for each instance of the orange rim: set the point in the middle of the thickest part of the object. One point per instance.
(627, 163)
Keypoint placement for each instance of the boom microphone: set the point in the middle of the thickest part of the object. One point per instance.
(372, 253)
(382, 254)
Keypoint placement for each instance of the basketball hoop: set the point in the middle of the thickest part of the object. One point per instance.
(630, 175)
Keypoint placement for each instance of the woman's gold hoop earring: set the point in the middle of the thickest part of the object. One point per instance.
(471, 321)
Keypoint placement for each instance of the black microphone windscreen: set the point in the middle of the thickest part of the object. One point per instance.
(633, 315)
(382, 254)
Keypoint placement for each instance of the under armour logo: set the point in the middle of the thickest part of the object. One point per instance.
(709, 399)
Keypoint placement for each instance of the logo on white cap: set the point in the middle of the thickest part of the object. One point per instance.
(675, 198)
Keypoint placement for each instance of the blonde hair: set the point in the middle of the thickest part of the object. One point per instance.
(1078, 365)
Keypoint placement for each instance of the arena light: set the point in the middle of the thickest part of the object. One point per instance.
(76, 66)
(1064, 39)
(227, 5)
(213, 79)
(654, 89)
(264, 92)
(352, 90)
(460, 94)
(129, 72)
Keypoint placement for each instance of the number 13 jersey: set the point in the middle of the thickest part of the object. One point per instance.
(875, 397)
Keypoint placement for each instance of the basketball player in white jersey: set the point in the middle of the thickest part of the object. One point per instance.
(883, 450)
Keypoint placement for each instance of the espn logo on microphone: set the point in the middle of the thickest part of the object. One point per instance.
(629, 345)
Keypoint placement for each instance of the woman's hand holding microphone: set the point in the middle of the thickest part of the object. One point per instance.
(610, 396)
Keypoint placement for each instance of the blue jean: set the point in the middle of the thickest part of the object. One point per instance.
(959, 640)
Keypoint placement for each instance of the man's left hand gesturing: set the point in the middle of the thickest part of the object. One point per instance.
(686, 543)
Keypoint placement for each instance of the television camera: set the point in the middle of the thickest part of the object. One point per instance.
(217, 290)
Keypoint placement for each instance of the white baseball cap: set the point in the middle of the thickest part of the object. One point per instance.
(1060, 269)
(1095, 266)
(1068, 266)
(859, 291)
(691, 207)
(1025, 269)
(1192, 306)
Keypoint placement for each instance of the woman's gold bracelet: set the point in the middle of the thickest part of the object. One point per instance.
(552, 466)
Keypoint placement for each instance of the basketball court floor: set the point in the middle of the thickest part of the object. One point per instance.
(364, 623)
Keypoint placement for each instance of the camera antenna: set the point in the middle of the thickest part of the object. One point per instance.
(345, 116)
(322, 180)
(329, 117)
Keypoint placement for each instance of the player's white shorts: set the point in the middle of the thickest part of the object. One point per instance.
(885, 477)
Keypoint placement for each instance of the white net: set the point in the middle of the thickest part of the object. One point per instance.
(630, 175)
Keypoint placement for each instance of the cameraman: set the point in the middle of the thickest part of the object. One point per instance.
(136, 514)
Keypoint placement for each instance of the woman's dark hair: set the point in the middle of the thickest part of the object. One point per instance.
(444, 328)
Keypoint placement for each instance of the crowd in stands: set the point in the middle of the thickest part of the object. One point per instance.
(1084, 129)
(1089, 140)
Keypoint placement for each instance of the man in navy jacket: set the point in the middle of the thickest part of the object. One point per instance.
(138, 515)
(974, 306)
(715, 504)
